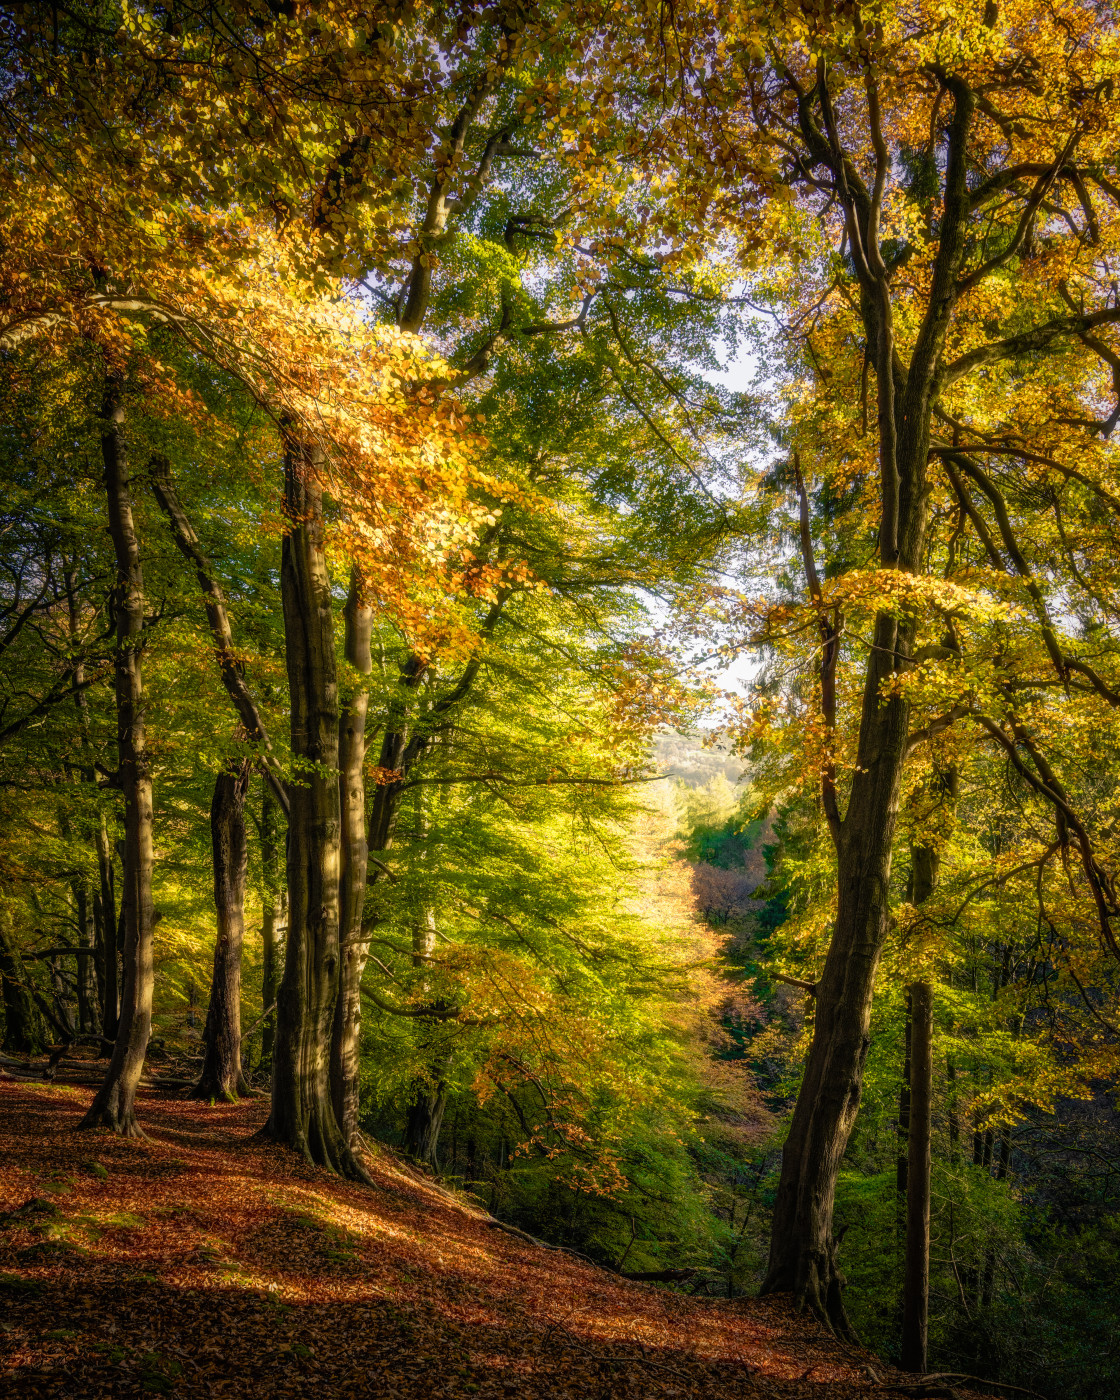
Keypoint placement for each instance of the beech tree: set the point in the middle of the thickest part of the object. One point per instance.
(899, 168)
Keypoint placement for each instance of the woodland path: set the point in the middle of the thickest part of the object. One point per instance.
(203, 1264)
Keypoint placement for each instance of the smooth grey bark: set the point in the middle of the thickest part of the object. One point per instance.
(274, 917)
(88, 978)
(303, 1115)
(114, 1105)
(221, 1077)
(85, 984)
(354, 944)
(105, 914)
(424, 1119)
(403, 746)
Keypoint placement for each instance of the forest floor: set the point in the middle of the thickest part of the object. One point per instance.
(204, 1263)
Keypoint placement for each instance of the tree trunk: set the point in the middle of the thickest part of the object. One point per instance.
(429, 1095)
(1004, 1154)
(114, 1105)
(84, 982)
(802, 1248)
(915, 1305)
(87, 943)
(106, 909)
(347, 1027)
(221, 1076)
(904, 1103)
(401, 748)
(425, 1119)
(302, 1113)
(274, 923)
(21, 1021)
(90, 975)
(398, 753)
(62, 998)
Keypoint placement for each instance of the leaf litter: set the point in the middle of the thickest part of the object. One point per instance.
(205, 1262)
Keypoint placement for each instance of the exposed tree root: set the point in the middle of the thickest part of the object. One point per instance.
(214, 1091)
(123, 1124)
(817, 1288)
(326, 1151)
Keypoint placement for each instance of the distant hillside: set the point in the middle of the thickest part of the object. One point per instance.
(694, 763)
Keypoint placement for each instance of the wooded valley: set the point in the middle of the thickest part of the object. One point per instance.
(560, 655)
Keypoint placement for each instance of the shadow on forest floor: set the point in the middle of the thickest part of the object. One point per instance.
(202, 1262)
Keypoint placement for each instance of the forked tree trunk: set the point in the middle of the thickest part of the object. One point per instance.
(274, 922)
(354, 943)
(231, 670)
(401, 748)
(302, 1113)
(221, 1076)
(114, 1104)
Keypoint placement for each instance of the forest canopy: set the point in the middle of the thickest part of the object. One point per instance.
(560, 618)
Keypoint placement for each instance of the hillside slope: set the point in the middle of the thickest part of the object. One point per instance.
(202, 1263)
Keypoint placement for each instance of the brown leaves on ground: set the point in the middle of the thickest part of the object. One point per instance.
(205, 1263)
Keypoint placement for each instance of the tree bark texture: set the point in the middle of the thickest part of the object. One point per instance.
(221, 1076)
(114, 1105)
(802, 1249)
(399, 751)
(88, 1009)
(915, 1300)
(274, 920)
(429, 1094)
(904, 1104)
(105, 909)
(354, 944)
(89, 977)
(302, 1113)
